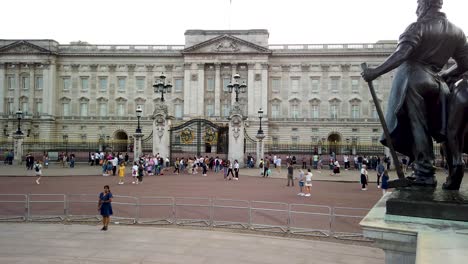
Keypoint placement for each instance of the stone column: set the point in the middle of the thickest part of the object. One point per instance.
(251, 105)
(187, 89)
(260, 150)
(233, 94)
(137, 150)
(264, 92)
(201, 90)
(3, 87)
(236, 135)
(218, 88)
(18, 148)
(161, 133)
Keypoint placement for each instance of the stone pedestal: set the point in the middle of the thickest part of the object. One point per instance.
(161, 133)
(236, 136)
(137, 149)
(417, 240)
(18, 148)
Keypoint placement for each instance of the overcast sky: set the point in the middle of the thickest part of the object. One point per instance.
(165, 21)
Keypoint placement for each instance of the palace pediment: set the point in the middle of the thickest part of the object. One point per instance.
(226, 44)
(23, 47)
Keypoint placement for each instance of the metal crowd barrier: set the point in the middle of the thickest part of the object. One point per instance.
(269, 216)
(82, 208)
(342, 220)
(194, 211)
(302, 219)
(9, 209)
(236, 213)
(125, 209)
(156, 210)
(51, 207)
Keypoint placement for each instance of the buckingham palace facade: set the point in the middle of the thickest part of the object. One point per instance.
(83, 92)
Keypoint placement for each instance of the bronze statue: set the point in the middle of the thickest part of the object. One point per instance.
(457, 127)
(417, 107)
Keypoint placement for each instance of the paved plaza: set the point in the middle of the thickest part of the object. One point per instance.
(57, 243)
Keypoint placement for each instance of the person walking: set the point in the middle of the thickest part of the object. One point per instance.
(385, 179)
(364, 177)
(176, 166)
(308, 182)
(140, 174)
(300, 180)
(380, 171)
(236, 170)
(278, 165)
(266, 168)
(336, 167)
(105, 207)
(260, 166)
(290, 174)
(229, 166)
(121, 172)
(135, 172)
(38, 171)
(115, 162)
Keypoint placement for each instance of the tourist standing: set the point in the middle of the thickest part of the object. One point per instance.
(346, 162)
(135, 172)
(364, 177)
(121, 172)
(176, 166)
(236, 170)
(229, 166)
(140, 174)
(385, 179)
(380, 171)
(290, 174)
(336, 167)
(92, 159)
(300, 180)
(308, 182)
(115, 162)
(38, 171)
(105, 206)
(46, 161)
(278, 164)
(260, 166)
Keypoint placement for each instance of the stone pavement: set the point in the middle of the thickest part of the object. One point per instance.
(83, 169)
(58, 243)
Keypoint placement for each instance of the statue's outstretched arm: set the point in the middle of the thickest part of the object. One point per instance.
(401, 54)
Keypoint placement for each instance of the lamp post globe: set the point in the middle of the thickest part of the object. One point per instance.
(260, 134)
(139, 112)
(236, 87)
(160, 86)
(19, 116)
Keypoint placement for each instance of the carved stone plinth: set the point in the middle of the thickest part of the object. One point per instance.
(18, 148)
(161, 133)
(137, 149)
(236, 136)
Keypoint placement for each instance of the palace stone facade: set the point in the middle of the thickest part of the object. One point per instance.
(81, 91)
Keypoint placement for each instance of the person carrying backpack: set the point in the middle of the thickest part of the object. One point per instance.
(38, 171)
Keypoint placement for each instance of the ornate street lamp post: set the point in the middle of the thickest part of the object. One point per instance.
(260, 136)
(160, 86)
(139, 112)
(19, 116)
(236, 87)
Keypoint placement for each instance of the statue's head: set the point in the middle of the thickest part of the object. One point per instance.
(425, 5)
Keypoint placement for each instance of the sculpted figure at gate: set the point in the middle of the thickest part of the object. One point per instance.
(418, 110)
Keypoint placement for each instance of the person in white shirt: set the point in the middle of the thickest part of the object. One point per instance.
(135, 172)
(364, 178)
(308, 182)
(38, 171)
(278, 164)
(336, 167)
(115, 162)
(236, 170)
(346, 162)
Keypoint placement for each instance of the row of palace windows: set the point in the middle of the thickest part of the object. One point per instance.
(314, 111)
(122, 83)
(24, 82)
(121, 109)
(296, 140)
(335, 84)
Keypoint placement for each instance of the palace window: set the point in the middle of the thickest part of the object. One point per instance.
(121, 83)
(25, 82)
(315, 111)
(210, 109)
(275, 110)
(66, 83)
(226, 81)
(66, 108)
(39, 83)
(334, 107)
(210, 84)
(334, 84)
(276, 85)
(178, 85)
(103, 109)
(84, 109)
(355, 110)
(140, 83)
(84, 83)
(355, 85)
(103, 84)
(295, 82)
(11, 82)
(178, 110)
(315, 84)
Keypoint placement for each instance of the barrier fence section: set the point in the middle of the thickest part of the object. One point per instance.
(156, 210)
(82, 208)
(303, 219)
(269, 216)
(47, 207)
(13, 207)
(345, 223)
(194, 211)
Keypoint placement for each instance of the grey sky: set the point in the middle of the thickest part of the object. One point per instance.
(164, 22)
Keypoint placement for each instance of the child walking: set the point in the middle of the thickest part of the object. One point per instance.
(38, 171)
(121, 173)
(308, 182)
(135, 172)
